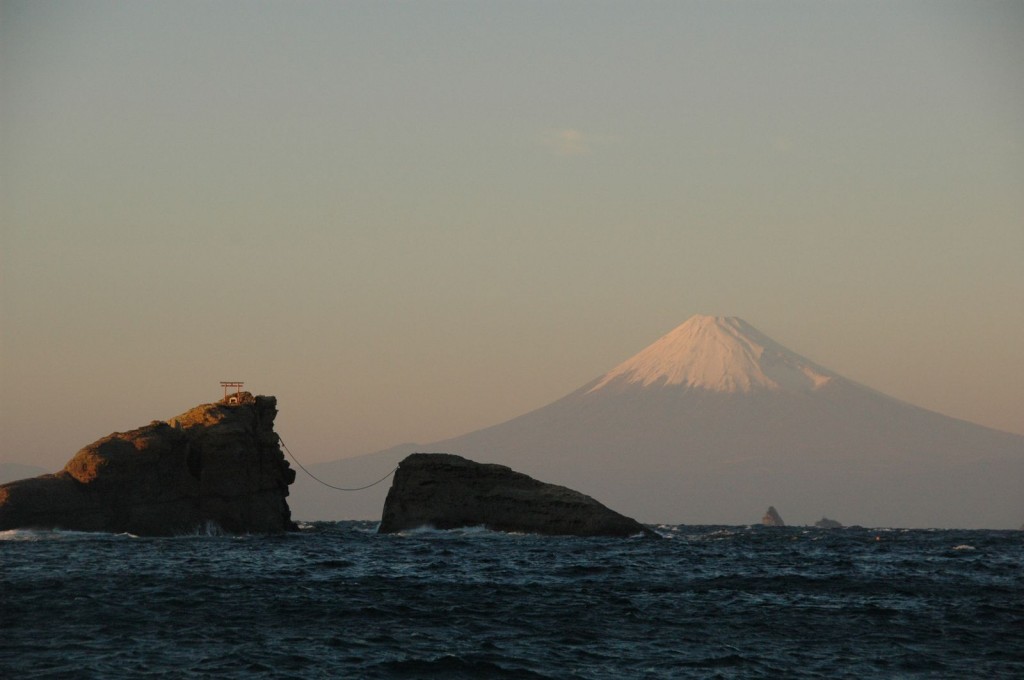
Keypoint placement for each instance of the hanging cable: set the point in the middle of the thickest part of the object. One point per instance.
(331, 486)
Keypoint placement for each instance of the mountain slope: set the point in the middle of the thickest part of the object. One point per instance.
(718, 354)
(10, 472)
(715, 422)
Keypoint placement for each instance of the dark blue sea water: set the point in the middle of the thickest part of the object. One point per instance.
(339, 601)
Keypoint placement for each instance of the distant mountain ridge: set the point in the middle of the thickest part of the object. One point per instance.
(714, 422)
(10, 472)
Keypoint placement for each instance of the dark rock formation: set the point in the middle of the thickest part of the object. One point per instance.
(218, 463)
(445, 491)
(826, 523)
(771, 518)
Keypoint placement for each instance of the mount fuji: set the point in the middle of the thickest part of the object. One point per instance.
(713, 423)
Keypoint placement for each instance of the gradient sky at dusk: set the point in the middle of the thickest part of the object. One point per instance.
(411, 220)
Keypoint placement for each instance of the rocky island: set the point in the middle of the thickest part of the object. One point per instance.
(771, 518)
(217, 466)
(445, 491)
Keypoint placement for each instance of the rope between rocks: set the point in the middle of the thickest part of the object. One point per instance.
(330, 486)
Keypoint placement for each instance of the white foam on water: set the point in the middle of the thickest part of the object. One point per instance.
(48, 535)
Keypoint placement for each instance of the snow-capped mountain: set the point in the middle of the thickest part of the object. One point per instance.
(718, 354)
(713, 423)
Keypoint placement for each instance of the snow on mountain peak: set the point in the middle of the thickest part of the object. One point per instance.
(720, 354)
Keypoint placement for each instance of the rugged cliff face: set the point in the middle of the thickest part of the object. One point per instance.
(215, 465)
(444, 491)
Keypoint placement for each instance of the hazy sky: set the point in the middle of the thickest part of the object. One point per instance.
(411, 220)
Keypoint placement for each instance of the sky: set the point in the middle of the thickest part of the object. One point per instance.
(409, 220)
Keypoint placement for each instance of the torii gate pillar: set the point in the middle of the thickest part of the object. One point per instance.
(236, 385)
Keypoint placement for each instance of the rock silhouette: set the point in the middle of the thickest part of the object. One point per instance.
(216, 467)
(445, 491)
(771, 518)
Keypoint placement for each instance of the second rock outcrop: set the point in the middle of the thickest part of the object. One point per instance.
(445, 491)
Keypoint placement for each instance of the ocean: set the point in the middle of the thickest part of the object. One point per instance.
(337, 600)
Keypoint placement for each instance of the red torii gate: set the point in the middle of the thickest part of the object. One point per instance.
(230, 383)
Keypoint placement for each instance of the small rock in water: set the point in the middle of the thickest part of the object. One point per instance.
(826, 523)
(771, 518)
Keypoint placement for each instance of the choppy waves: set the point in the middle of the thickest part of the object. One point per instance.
(338, 600)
